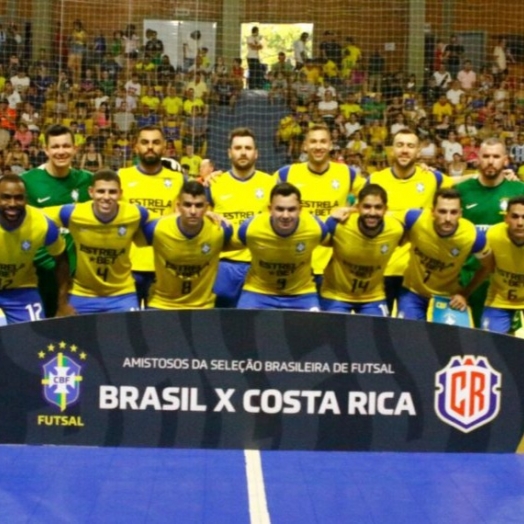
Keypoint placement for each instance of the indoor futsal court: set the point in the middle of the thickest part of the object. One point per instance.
(43, 484)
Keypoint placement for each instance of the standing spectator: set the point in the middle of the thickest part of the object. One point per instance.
(191, 48)
(501, 57)
(376, 68)
(254, 45)
(77, 49)
(453, 55)
(330, 49)
(154, 47)
(300, 51)
(131, 43)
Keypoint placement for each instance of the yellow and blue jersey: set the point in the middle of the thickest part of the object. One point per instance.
(238, 200)
(281, 265)
(506, 288)
(158, 194)
(356, 269)
(103, 248)
(414, 192)
(185, 266)
(20, 245)
(321, 193)
(435, 261)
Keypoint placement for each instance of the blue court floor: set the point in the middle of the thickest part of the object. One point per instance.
(115, 485)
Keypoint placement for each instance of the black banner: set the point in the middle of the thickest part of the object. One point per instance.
(260, 379)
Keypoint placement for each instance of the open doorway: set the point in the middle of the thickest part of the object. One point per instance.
(276, 38)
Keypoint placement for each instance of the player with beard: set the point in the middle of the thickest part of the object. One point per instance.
(324, 185)
(408, 186)
(238, 195)
(153, 186)
(440, 242)
(362, 246)
(506, 288)
(24, 230)
(484, 202)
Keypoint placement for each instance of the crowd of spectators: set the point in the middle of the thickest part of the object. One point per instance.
(106, 89)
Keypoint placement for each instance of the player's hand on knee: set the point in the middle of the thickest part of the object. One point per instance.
(458, 302)
(65, 310)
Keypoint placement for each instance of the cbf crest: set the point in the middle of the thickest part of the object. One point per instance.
(468, 393)
(62, 374)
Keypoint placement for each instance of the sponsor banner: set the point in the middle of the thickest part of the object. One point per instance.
(260, 379)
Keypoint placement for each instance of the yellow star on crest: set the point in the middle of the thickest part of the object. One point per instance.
(51, 347)
(62, 345)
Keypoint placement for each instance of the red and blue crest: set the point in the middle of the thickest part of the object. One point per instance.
(468, 393)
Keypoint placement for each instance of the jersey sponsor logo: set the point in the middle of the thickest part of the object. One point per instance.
(471, 206)
(301, 246)
(168, 183)
(504, 205)
(384, 248)
(420, 187)
(206, 248)
(122, 230)
(335, 184)
(62, 374)
(259, 193)
(467, 393)
(43, 199)
(455, 252)
(26, 245)
(74, 195)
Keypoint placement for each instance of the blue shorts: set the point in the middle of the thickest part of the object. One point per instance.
(412, 306)
(21, 305)
(83, 305)
(497, 319)
(229, 281)
(143, 281)
(377, 308)
(251, 300)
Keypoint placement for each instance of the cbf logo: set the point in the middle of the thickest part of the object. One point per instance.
(468, 393)
(62, 374)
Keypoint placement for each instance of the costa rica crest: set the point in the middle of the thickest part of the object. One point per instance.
(468, 393)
